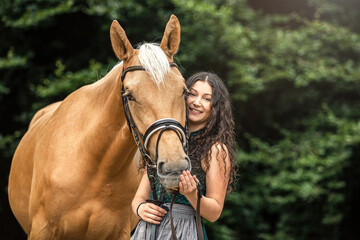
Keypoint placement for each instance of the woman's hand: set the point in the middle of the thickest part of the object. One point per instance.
(188, 184)
(151, 213)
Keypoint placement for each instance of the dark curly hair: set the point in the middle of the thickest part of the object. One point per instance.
(220, 126)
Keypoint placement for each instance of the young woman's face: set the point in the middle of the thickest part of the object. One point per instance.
(199, 104)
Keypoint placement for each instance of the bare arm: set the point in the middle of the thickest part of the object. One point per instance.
(147, 211)
(216, 185)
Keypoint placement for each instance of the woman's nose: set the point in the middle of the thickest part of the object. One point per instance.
(197, 101)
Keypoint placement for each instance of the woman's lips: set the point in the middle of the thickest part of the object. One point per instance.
(195, 111)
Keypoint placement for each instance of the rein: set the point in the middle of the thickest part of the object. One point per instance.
(160, 125)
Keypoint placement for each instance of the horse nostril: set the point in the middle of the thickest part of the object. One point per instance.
(160, 167)
(166, 169)
(173, 169)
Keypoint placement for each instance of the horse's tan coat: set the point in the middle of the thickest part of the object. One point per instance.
(73, 174)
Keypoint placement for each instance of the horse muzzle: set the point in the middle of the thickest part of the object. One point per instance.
(169, 172)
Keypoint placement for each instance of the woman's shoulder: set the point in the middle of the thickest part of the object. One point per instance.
(220, 153)
(219, 147)
(220, 162)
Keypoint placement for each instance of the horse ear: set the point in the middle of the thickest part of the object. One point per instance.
(171, 38)
(120, 43)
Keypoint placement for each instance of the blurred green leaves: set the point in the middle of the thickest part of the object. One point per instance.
(64, 82)
(11, 60)
(33, 12)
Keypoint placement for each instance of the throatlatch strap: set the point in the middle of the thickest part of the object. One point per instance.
(198, 217)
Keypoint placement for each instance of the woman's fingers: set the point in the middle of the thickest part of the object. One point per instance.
(189, 179)
(158, 209)
(153, 213)
(151, 218)
(187, 183)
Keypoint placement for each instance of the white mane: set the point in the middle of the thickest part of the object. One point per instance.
(155, 62)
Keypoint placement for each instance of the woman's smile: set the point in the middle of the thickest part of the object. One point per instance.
(195, 111)
(199, 104)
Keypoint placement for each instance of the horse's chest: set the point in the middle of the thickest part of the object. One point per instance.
(92, 221)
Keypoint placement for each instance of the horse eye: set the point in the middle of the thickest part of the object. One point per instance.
(130, 97)
(185, 92)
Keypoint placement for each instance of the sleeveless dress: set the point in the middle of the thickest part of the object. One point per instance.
(183, 213)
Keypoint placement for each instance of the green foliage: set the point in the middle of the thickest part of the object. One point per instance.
(297, 181)
(12, 60)
(33, 12)
(203, 27)
(64, 82)
(338, 12)
(315, 52)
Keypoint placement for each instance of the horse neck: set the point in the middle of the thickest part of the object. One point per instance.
(109, 137)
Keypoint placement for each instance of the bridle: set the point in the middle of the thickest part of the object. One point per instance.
(161, 125)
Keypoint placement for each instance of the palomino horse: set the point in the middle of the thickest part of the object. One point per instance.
(73, 175)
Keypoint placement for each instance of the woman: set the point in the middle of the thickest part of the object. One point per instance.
(211, 142)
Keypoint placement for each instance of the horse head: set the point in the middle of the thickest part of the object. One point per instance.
(153, 93)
